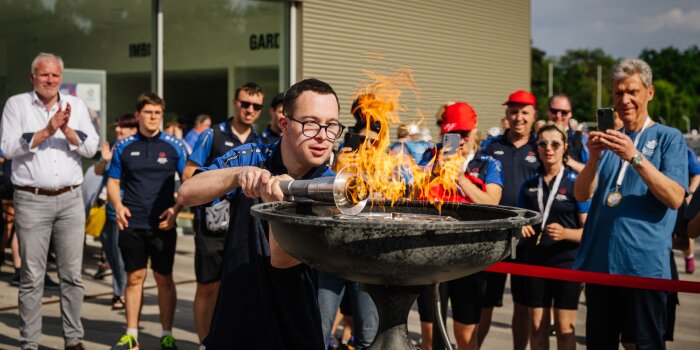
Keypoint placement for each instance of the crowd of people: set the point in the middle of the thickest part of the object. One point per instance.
(608, 199)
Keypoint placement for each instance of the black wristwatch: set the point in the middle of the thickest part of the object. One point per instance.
(637, 159)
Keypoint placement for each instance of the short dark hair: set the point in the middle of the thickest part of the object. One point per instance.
(559, 95)
(149, 98)
(127, 121)
(311, 84)
(360, 118)
(277, 100)
(251, 88)
(201, 119)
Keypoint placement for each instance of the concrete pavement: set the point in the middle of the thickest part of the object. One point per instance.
(103, 327)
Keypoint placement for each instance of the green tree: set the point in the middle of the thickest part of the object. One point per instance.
(681, 71)
(540, 68)
(576, 75)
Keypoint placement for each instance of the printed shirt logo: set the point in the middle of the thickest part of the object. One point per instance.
(135, 154)
(648, 149)
(532, 189)
(228, 143)
(500, 153)
(560, 197)
(531, 157)
(161, 158)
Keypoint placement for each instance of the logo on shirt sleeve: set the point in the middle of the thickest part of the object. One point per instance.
(161, 158)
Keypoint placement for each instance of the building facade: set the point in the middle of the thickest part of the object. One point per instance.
(196, 52)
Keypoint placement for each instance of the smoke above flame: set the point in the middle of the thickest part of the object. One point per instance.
(384, 176)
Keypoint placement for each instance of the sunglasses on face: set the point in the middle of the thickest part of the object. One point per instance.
(246, 104)
(543, 145)
(564, 112)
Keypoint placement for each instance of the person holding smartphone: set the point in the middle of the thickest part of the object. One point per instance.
(636, 179)
(482, 183)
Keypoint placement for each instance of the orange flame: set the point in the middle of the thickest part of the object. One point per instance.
(387, 176)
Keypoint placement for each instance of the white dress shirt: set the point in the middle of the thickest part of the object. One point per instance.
(55, 163)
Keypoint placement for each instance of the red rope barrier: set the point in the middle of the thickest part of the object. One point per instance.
(596, 277)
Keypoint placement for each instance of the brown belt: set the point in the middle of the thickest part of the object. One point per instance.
(44, 192)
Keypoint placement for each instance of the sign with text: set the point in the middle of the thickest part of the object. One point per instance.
(139, 50)
(264, 41)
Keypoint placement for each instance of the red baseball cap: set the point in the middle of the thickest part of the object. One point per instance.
(522, 97)
(459, 116)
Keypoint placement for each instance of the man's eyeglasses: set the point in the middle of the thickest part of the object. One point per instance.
(311, 129)
(543, 145)
(563, 112)
(246, 104)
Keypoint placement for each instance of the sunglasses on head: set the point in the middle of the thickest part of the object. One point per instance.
(563, 112)
(543, 144)
(246, 104)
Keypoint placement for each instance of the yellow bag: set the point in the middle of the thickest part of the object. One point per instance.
(95, 221)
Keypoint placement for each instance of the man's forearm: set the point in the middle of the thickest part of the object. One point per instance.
(71, 136)
(668, 191)
(39, 137)
(586, 181)
(114, 193)
(208, 186)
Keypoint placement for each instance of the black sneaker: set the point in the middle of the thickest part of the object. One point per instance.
(49, 284)
(15, 279)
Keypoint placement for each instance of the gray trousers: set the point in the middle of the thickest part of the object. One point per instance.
(61, 219)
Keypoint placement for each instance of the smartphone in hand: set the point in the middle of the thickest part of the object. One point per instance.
(450, 143)
(605, 119)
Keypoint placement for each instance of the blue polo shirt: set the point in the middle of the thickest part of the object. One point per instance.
(486, 168)
(634, 237)
(519, 164)
(258, 306)
(565, 211)
(205, 151)
(693, 166)
(146, 167)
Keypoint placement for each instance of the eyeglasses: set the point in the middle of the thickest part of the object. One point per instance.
(543, 145)
(564, 112)
(311, 129)
(246, 104)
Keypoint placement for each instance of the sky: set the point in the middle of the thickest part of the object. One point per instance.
(622, 28)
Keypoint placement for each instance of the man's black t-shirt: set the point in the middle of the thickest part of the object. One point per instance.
(259, 306)
(518, 164)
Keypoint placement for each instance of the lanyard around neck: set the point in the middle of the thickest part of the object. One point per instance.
(550, 199)
(623, 170)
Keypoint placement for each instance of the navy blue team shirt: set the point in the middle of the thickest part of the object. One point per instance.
(259, 306)
(565, 211)
(146, 167)
(204, 151)
(518, 164)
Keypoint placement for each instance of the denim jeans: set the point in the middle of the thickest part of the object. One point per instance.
(110, 245)
(364, 312)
